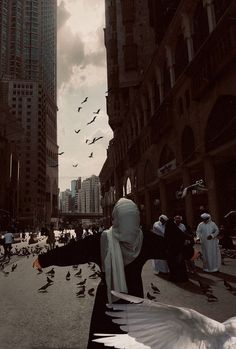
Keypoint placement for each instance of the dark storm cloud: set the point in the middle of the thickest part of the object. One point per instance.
(62, 15)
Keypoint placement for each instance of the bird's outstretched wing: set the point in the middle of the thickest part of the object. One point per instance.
(161, 326)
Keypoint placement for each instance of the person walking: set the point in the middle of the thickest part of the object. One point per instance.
(51, 240)
(8, 240)
(207, 232)
(160, 266)
(120, 252)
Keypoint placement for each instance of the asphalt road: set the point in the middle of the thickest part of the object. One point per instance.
(59, 320)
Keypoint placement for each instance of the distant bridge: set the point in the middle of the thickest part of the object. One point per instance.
(73, 216)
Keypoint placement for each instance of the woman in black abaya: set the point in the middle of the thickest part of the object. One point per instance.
(120, 252)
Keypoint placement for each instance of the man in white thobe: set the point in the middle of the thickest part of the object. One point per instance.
(159, 229)
(207, 232)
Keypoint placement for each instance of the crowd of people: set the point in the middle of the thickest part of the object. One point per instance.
(207, 233)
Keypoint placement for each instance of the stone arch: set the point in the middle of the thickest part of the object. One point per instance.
(187, 144)
(221, 124)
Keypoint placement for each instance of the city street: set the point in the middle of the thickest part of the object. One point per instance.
(58, 319)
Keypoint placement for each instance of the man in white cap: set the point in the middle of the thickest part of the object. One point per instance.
(207, 232)
(160, 266)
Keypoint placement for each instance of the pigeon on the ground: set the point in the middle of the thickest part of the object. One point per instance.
(91, 291)
(68, 276)
(93, 276)
(150, 297)
(82, 283)
(44, 287)
(49, 280)
(51, 272)
(160, 326)
(81, 292)
(78, 274)
(154, 288)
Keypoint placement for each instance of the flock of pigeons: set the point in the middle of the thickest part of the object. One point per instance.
(81, 284)
(89, 142)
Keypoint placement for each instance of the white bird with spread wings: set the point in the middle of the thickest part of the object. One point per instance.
(152, 325)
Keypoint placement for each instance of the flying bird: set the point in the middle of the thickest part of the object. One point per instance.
(61, 153)
(77, 131)
(79, 109)
(87, 140)
(75, 165)
(156, 325)
(97, 112)
(85, 100)
(97, 139)
(91, 155)
(88, 123)
(93, 141)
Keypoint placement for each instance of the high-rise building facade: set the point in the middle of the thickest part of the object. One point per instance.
(28, 70)
(89, 196)
(178, 124)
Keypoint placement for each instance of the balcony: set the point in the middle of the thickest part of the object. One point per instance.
(218, 51)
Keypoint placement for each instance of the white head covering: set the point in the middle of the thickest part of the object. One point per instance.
(205, 216)
(164, 217)
(120, 245)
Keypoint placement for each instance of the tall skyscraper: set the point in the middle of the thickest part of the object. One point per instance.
(28, 71)
(89, 196)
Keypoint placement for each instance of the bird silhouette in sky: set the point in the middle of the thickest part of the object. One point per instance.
(155, 325)
(91, 155)
(75, 165)
(77, 131)
(61, 153)
(85, 100)
(95, 140)
(87, 140)
(88, 123)
(96, 112)
(79, 109)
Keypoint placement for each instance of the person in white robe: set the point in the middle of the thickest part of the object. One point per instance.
(207, 232)
(160, 266)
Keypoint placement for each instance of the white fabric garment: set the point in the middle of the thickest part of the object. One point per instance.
(8, 237)
(120, 245)
(158, 264)
(210, 248)
(182, 227)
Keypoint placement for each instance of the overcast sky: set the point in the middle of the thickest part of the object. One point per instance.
(81, 67)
